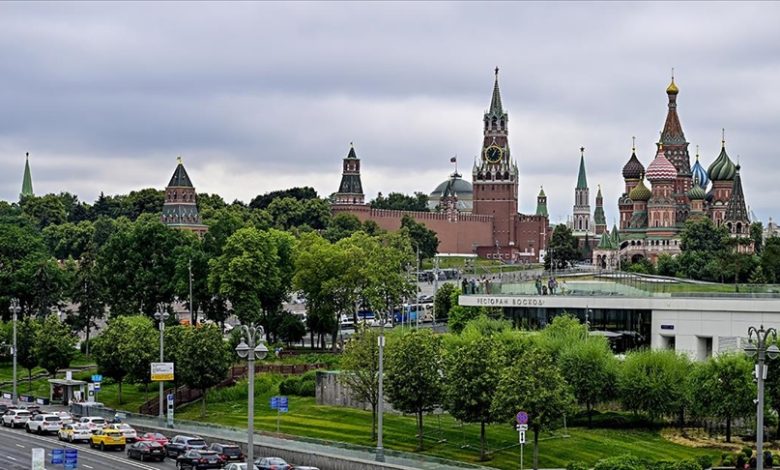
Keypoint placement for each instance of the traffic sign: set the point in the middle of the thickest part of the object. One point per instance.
(97, 378)
(71, 459)
(274, 403)
(522, 427)
(522, 417)
(57, 456)
(522, 437)
(96, 386)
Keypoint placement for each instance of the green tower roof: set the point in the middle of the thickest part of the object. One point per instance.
(495, 102)
(27, 187)
(606, 242)
(541, 204)
(582, 180)
(180, 177)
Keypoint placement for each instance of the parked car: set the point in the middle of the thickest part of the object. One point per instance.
(43, 423)
(305, 467)
(94, 423)
(154, 437)
(3, 408)
(107, 438)
(146, 450)
(15, 418)
(239, 466)
(272, 463)
(228, 452)
(126, 430)
(198, 460)
(66, 417)
(181, 444)
(33, 409)
(74, 432)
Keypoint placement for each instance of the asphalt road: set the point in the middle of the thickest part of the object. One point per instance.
(16, 454)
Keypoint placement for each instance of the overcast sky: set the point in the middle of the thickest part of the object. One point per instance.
(265, 96)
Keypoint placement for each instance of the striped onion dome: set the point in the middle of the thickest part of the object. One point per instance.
(722, 169)
(696, 193)
(640, 192)
(699, 174)
(661, 169)
(633, 169)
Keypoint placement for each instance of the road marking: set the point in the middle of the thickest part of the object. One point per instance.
(9, 457)
(88, 466)
(19, 445)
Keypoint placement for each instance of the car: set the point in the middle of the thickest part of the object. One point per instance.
(126, 430)
(238, 466)
(74, 432)
(94, 423)
(154, 437)
(146, 450)
(272, 463)
(15, 418)
(198, 459)
(43, 423)
(181, 444)
(305, 467)
(3, 408)
(33, 409)
(106, 439)
(228, 452)
(66, 417)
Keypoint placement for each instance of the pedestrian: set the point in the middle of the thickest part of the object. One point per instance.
(538, 285)
(551, 285)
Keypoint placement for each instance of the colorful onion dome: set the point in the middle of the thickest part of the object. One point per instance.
(697, 193)
(633, 169)
(661, 169)
(640, 192)
(699, 174)
(722, 169)
(672, 88)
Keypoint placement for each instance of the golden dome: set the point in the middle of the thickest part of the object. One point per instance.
(672, 88)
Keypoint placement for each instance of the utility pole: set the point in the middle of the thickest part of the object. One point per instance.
(193, 314)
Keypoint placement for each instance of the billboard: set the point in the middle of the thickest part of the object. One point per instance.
(162, 371)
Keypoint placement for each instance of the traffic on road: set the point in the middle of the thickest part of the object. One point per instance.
(101, 445)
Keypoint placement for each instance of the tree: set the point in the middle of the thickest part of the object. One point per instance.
(770, 259)
(144, 201)
(757, 236)
(44, 210)
(422, 238)
(138, 349)
(563, 332)
(55, 345)
(667, 265)
(701, 242)
(533, 384)
(654, 382)
(360, 369)
(291, 328)
(342, 225)
(68, 239)
(401, 202)
(297, 193)
(107, 351)
(443, 300)
(26, 333)
(563, 249)
(723, 388)
(43, 283)
(472, 364)
(87, 291)
(204, 359)
(413, 365)
(590, 368)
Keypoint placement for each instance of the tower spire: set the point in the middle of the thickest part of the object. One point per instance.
(582, 179)
(495, 102)
(27, 186)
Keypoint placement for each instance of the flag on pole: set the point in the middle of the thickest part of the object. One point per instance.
(454, 159)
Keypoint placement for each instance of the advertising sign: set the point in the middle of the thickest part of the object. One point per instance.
(162, 371)
(38, 459)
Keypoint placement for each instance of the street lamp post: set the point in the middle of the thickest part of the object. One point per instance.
(15, 309)
(161, 316)
(256, 349)
(380, 451)
(759, 346)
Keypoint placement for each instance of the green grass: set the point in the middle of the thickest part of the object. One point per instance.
(445, 437)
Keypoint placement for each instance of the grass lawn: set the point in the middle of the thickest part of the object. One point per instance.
(444, 436)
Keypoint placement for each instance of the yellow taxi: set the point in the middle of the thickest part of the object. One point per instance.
(107, 439)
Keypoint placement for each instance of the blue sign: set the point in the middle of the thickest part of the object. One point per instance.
(274, 403)
(71, 458)
(283, 404)
(96, 386)
(522, 417)
(97, 378)
(57, 456)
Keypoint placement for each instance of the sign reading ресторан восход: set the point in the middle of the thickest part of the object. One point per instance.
(162, 371)
(510, 301)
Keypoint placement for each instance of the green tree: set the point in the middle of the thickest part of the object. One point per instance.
(757, 236)
(342, 225)
(108, 353)
(701, 241)
(88, 293)
(20, 246)
(44, 210)
(297, 193)
(563, 332)
(667, 265)
(421, 237)
(204, 359)
(723, 388)
(770, 259)
(401, 202)
(535, 385)
(472, 364)
(654, 382)
(68, 239)
(443, 300)
(590, 368)
(563, 250)
(43, 284)
(144, 201)
(414, 361)
(291, 328)
(26, 334)
(55, 345)
(138, 349)
(360, 369)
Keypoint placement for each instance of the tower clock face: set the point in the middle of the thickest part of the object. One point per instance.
(493, 154)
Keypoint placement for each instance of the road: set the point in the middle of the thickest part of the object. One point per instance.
(16, 454)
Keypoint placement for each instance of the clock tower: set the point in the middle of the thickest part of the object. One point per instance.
(494, 175)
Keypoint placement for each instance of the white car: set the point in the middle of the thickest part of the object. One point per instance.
(66, 417)
(94, 423)
(74, 432)
(43, 423)
(126, 430)
(15, 418)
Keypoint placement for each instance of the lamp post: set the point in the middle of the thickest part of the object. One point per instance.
(15, 309)
(380, 452)
(161, 316)
(758, 345)
(256, 349)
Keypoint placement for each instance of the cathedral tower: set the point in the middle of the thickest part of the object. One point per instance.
(676, 151)
(633, 172)
(581, 220)
(494, 175)
(350, 189)
(736, 219)
(599, 219)
(180, 209)
(721, 172)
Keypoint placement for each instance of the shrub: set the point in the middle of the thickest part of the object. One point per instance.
(308, 388)
(748, 451)
(623, 462)
(690, 464)
(290, 386)
(577, 466)
(727, 460)
(704, 461)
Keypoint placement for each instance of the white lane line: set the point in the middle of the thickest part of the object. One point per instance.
(9, 457)
(88, 466)
(19, 445)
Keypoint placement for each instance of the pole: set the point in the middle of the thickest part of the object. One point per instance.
(435, 285)
(250, 438)
(162, 359)
(193, 318)
(15, 306)
(380, 452)
(522, 446)
(760, 410)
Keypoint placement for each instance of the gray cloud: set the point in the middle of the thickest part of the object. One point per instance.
(260, 96)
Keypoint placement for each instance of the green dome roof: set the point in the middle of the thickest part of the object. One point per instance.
(459, 185)
(640, 192)
(722, 169)
(696, 193)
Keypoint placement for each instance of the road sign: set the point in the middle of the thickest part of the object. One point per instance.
(170, 410)
(522, 417)
(38, 459)
(522, 427)
(96, 386)
(57, 456)
(522, 437)
(71, 458)
(162, 371)
(274, 403)
(97, 378)
(283, 404)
